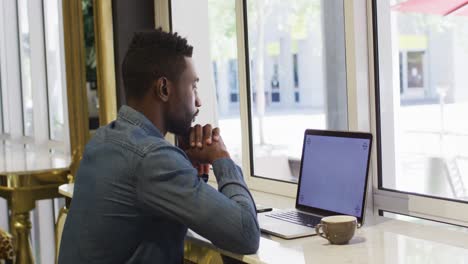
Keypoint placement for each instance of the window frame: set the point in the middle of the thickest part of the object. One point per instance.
(440, 209)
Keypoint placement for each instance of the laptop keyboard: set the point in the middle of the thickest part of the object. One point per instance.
(296, 218)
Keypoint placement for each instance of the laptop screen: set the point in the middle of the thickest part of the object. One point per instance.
(334, 173)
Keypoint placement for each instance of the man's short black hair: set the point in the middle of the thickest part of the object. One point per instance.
(153, 54)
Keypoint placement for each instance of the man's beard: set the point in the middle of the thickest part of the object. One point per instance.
(194, 116)
(182, 127)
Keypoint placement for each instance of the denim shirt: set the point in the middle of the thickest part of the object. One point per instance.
(136, 194)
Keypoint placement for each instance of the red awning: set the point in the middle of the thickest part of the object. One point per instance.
(437, 7)
(463, 11)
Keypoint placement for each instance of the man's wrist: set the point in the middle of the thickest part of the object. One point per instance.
(226, 171)
(220, 155)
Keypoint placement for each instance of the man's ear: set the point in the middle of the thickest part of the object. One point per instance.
(162, 89)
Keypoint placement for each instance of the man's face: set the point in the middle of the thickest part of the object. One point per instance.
(184, 104)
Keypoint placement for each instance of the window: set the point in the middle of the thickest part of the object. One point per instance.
(287, 69)
(430, 152)
(25, 56)
(421, 104)
(297, 79)
(295, 71)
(33, 109)
(210, 26)
(55, 70)
(223, 51)
(415, 69)
(275, 69)
(233, 82)
(275, 84)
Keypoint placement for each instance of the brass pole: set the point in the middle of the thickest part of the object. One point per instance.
(105, 64)
(22, 230)
(76, 79)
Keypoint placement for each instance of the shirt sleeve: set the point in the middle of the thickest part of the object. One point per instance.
(168, 186)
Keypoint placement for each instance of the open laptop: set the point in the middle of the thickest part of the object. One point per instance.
(332, 181)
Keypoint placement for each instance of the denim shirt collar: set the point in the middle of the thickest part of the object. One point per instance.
(136, 118)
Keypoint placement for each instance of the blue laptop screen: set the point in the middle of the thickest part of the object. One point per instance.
(334, 173)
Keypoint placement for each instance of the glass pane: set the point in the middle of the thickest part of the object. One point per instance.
(54, 60)
(223, 41)
(25, 55)
(423, 99)
(297, 79)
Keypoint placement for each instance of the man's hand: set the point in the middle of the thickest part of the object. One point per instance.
(208, 153)
(203, 135)
(202, 168)
(203, 145)
(198, 138)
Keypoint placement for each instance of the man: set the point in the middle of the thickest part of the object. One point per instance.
(135, 193)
